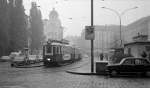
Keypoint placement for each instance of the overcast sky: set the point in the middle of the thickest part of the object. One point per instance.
(79, 11)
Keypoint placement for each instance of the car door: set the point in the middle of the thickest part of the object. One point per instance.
(140, 65)
(127, 65)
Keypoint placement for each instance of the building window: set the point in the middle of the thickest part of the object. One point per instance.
(147, 48)
(129, 51)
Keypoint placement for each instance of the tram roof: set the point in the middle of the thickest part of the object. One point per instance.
(54, 43)
(60, 44)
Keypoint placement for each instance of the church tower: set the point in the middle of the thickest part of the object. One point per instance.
(53, 27)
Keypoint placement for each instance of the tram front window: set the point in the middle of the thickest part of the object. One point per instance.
(49, 49)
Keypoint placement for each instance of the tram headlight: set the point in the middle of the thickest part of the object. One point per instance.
(48, 59)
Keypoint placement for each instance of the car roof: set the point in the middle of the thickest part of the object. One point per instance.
(133, 58)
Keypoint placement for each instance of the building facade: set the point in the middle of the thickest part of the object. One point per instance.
(140, 47)
(106, 37)
(137, 37)
(52, 27)
(141, 26)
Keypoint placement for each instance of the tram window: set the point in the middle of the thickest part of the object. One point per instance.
(60, 50)
(57, 50)
(54, 49)
(48, 49)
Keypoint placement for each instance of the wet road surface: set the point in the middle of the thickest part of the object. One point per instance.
(56, 77)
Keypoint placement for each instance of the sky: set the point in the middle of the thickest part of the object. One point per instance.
(79, 11)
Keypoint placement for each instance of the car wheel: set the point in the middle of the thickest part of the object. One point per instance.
(12, 65)
(144, 74)
(113, 73)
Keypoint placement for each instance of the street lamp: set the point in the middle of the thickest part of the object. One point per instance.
(119, 16)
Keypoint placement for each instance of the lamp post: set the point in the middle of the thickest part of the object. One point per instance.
(119, 16)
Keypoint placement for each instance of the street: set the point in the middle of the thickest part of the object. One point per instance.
(113, 35)
(56, 77)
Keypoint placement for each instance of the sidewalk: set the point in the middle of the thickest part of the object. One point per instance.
(86, 69)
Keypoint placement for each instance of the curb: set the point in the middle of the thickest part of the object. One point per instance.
(81, 73)
(87, 73)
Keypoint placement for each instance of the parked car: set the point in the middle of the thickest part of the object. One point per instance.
(13, 55)
(129, 65)
(5, 59)
(32, 59)
(40, 58)
(17, 61)
(35, 58)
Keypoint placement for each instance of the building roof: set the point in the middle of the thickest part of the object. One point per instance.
(141, 20)
(138, 43)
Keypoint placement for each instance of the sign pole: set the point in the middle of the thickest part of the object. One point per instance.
(92, 40)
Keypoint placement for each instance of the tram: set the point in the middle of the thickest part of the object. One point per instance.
(56, 53)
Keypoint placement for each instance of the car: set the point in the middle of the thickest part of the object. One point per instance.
(129, 65)
(40, 58)
(32, 59)
(17, 61)
(5, 59)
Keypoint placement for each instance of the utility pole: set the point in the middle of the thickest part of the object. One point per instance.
(92, 40)
(102, 43)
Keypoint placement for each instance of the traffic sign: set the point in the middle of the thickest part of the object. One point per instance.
(89, 33)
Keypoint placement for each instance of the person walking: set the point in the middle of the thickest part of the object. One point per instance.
(101, 56)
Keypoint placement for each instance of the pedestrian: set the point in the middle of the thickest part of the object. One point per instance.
(101, 56)
(144, 55)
